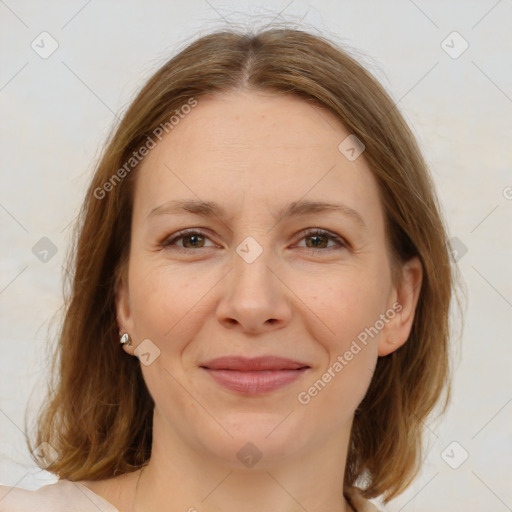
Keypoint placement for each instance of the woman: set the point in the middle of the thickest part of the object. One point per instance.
(263, 240)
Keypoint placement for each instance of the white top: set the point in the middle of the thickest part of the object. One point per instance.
(66, 495)
(62, 496)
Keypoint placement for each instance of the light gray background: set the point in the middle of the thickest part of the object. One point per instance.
(56, 112)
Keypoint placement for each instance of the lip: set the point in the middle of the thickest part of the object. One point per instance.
(246, 364)
(254, 376)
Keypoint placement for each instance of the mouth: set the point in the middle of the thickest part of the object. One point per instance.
(253, 376)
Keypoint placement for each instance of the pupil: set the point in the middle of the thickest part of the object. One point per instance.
(193, 239)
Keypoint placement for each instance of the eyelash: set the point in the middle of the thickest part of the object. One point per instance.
(169, 242)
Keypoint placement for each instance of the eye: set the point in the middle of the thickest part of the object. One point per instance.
(191, 239)
(318, 239)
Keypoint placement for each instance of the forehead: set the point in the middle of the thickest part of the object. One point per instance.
(255, 148)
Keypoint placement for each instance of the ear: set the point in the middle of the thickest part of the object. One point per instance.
(404, 300)
(125, 320)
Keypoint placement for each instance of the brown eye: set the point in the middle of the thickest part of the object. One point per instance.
(191, 239)
(319, 239)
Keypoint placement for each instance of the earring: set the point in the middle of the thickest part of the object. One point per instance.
(125, 339)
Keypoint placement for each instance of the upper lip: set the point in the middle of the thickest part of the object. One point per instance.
(253, 364)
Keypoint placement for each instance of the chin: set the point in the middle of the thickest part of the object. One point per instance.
(260, 440)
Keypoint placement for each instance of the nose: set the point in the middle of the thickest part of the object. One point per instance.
(254, 298)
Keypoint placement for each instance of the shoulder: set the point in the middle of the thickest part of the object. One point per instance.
(57, 497)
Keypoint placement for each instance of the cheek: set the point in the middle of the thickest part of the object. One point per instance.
(166, 306)
(335, 394)
(349, 302)
(162, 297)
(350, 306)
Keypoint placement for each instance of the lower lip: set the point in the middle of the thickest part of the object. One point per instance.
(255, 382)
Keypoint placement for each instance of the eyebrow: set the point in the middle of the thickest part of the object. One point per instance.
(296, 208)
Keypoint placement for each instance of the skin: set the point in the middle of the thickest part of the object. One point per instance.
(254, 153)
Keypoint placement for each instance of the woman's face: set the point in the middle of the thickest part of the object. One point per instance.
(254, 280)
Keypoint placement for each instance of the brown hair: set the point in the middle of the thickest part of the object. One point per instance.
(98, 415)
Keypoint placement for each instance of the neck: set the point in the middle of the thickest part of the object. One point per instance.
(179, 477)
